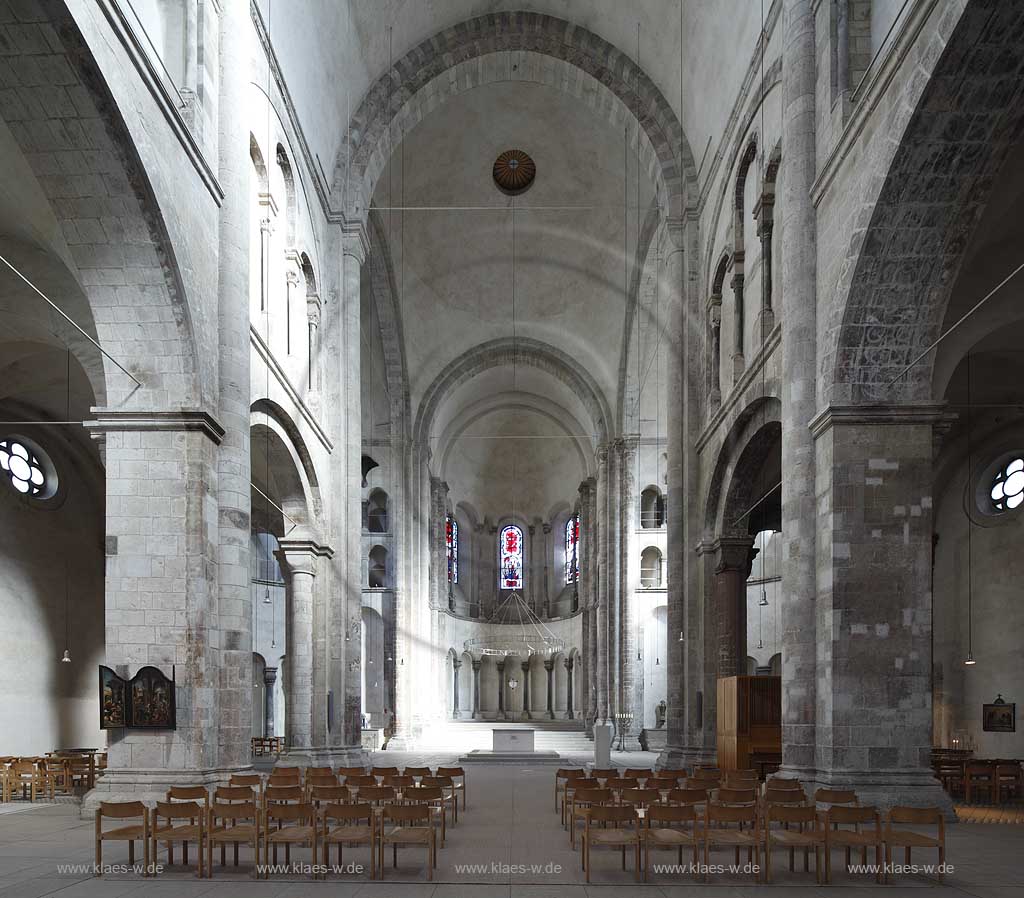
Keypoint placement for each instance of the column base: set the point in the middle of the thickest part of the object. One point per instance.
(326, 756)
(150, 786)
(676, 756)
(907, 786)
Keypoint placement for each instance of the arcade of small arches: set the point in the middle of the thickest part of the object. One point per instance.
(695, 432)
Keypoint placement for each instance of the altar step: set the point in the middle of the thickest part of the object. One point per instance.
(563, 736)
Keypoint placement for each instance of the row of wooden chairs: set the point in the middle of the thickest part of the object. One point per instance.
(750, 827)
(280, 816)
(988, 781)
(40, 777)
(356, 776)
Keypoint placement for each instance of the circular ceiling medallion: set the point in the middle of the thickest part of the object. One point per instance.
(514, 172)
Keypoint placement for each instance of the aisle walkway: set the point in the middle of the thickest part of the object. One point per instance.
(510, 832)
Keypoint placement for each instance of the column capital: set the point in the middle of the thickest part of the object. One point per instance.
(115, 420)
(476, 664)
(500, 665)
(456, 663)
(880, 413)
(300, 550)
(269, 675)
(549, 664)
(525, 666)
(355, 242)
(731, 553)
(569, 662)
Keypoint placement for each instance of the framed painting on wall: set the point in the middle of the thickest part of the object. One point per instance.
(999, 716)
(152, 700)
(113, 700)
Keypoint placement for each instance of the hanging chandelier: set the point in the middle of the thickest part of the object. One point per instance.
(526, 633)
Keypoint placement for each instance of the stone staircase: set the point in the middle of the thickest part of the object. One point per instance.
(563, 736)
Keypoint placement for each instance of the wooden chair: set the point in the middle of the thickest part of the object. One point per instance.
(233, 794)
(682, 797)
(807, 834)
(669, 827)
(435, 798)
(381, 772)
(784, 796)
(1007, 780)
(718, 834)
(321, 779)
(25, 775)
(676, 772)
(458, 776)
(447, 785)
(375, 795)
(56, 775)
(284, 779)
(603, 773)
(191, 794)
(286, 771)
(619, 783)
(837, 837)
(736, 796)
(583, 800)
(250, 780)
(978, 778)
(740, 779)
(408, 824)
(130, 833)
(662, 783)
(357, 780)
(275, 795)
(296, 825)
(398, 781)
(639, 798)
(835, 798)
(894, 838)
(351, 771)
(319, 771)
(778, 783)
(233, 823)
(623, 833)
(569, 789)
(348, 830)
(172, 831)
(562, 776)
(5, 794)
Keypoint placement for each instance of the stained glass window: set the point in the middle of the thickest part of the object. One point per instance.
(23, 467)
(510, 547)
(1008, 485)
(451, 545)
(572, 549)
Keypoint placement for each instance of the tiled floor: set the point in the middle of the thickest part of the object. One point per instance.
(510, 827)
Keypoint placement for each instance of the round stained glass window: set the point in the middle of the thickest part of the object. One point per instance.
(24, 468)
(1008, 485)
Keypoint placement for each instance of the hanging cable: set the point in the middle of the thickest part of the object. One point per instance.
(970, 528)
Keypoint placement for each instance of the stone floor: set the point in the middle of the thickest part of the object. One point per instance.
(510, 828)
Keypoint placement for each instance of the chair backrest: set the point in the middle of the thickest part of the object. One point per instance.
(361, 779)
(297, 813)
(246, 779)
(242, 810)
(23, 768)
(450, 771)
(612, 813)
(592, 796)
(667, 813)
(659, 781)
(423, 793)
(790, 813)
(332, 794)
(418, 771)
(286, 771)
(319, 771)
(401, 781)
(779, 782)
(602, 773)
(407, 814)
(283, 794)
(122, 809)
(384, 771)
(225, 794)
(1009, 770)
(376, 793)
(177, 810)
(688, 796)
(622, 782)
(836, 796)
(443, 782)
(978, 771)
(351, 771)
(189, 793)
(899, 814)
(707, 773)
(739, 779)
(639, 772)
(736, 796)
(570, 773)
(729, 813)
(673, 771)
(284, 779)
(640, 798)
(358, 811)
(856, 814)
(322, 779)
(584, 782)
(784, 796)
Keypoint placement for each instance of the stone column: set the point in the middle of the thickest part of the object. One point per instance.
(456, 665)
(549, 666)
(313, 344)
(630, 677)
(476, 689)
(714, 315)
(799, 345)
(732, 557)
(531, 570)
(269, 679)
(233, 491)
(739, 363)
(546, 582)
(568, 685)
(526, 690)
(873, 721)
(500, 665)
(601, 642)
(298, 555)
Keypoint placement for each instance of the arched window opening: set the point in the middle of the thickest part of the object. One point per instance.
(451, 545)
(510, 547)
(1008, 485)
(377, 512)
(572, 549)
(27, 469)
(378, 567)
(652, 509)
(650, 568)
(164, 24)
